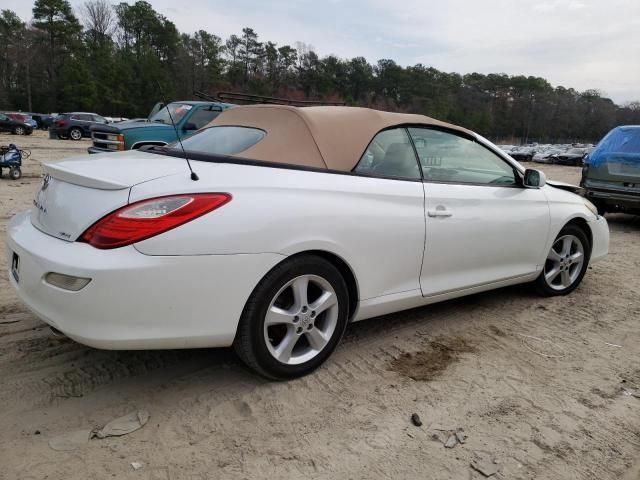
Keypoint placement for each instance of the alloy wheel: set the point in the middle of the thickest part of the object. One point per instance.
(301, 319)
(564, 262)
(75, 134)
(19, 131)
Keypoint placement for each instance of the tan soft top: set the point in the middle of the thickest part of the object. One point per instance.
(321, 137)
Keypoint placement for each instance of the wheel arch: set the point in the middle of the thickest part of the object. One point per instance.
(578, 218)
(343, 267)
(582, 223)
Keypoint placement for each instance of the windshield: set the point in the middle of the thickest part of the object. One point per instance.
(576, 151)
(222, 140)
(177, 111)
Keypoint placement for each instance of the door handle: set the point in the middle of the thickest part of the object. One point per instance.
(439, 212)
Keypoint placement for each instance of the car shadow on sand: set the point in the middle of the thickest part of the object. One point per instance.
(59, 368)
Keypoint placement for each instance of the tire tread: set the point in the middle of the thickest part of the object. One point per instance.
(243, 343)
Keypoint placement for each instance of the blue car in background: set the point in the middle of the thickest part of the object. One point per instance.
(611, 172)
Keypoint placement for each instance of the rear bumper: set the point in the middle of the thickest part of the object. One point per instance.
(134, 301)
(600, 238)
(630, 200)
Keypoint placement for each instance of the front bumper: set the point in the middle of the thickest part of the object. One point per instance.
(101, 150)
(600, 238)
(134, 301)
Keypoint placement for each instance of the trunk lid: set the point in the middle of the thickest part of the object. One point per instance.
(77, 192)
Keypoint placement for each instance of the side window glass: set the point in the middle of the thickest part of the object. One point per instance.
(449, 158)
(390, 154)
(201, 117)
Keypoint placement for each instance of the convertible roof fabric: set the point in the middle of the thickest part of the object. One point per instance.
(320, 137)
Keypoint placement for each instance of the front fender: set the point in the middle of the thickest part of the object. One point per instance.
(565, 207)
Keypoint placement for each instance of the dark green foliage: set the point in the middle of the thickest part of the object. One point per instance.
(122, 59)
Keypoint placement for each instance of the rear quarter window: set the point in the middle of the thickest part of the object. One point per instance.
(223, 140)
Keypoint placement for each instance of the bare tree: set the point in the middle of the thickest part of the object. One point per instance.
(99, 18)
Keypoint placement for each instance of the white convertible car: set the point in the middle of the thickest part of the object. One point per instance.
(301, 220)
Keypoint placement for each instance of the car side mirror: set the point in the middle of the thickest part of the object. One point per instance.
(534, 178)
(190, 126)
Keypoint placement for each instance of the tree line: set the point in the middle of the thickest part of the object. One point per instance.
(121, 59)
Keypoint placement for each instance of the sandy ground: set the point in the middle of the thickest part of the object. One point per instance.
(541, 386)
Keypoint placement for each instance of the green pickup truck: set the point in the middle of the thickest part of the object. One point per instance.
(158, 128)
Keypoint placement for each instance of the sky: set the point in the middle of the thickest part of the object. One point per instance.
(582, 44)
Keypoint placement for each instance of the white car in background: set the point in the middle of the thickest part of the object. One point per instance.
(301, 220)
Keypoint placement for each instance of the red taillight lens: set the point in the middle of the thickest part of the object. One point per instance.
(60, 123)
(147, 218)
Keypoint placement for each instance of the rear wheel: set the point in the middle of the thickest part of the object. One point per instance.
(75, 134)
(294, 318)
(566, 262)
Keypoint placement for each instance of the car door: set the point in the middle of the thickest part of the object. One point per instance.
(482, 226)
(393, 222)
(81, 121)
(87, 122)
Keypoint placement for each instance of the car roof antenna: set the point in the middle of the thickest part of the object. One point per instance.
(194, 175)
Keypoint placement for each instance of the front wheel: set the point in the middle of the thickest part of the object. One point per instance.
(15, 173)
(566, 262)
(294, 318)
(18, 130)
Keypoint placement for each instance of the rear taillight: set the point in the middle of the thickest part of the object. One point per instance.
(60, 123)
(147, 218)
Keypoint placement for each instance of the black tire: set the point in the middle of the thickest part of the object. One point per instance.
(15, 173)
(250, 343)
(542, 285)
(19, 130)
(75, 133)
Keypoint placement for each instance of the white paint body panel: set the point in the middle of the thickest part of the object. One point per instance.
(135, 301)
(187, 287)
(375, 225)
(492, 234)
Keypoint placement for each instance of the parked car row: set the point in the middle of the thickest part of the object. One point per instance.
(15, 124)
(562, 154)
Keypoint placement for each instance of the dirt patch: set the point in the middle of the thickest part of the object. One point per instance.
(427, 364)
